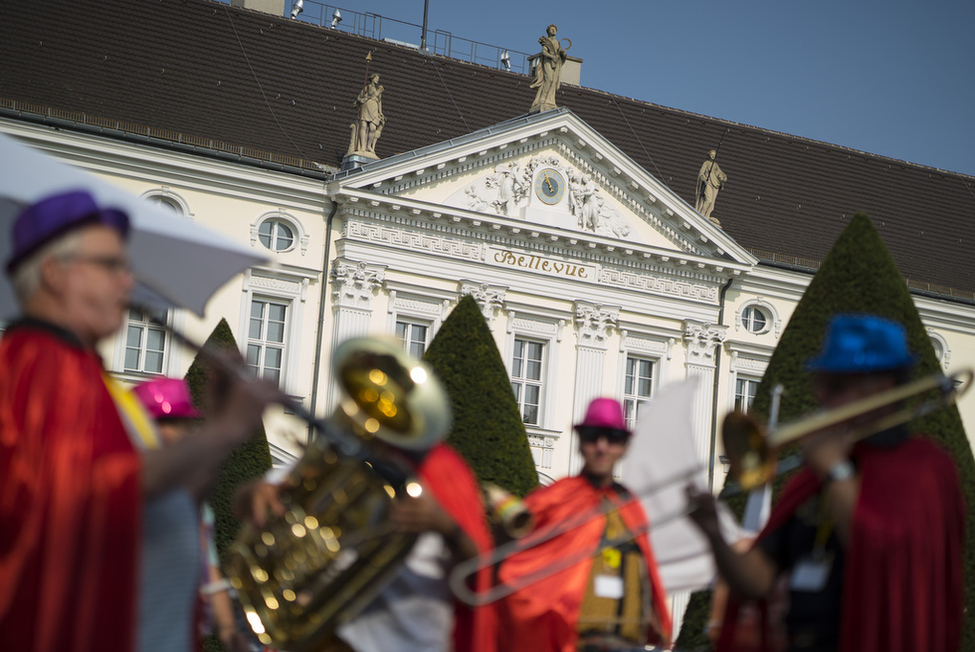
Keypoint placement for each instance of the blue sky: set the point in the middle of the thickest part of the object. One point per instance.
(893, 78)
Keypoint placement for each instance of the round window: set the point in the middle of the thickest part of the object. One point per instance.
(756, 320)
(276, 235)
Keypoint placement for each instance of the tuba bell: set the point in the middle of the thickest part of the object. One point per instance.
(308, 572)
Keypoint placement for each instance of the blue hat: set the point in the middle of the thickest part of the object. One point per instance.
(862, 344)
(56, 215)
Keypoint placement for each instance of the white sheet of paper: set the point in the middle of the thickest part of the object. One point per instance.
(607, 586)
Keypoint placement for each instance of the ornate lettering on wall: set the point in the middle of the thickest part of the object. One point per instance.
(659, 285)
(531, 262)
(454, 248)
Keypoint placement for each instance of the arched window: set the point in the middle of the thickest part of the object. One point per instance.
(166, 202)
(169, 201)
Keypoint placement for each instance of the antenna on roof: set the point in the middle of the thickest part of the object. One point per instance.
(423, 34)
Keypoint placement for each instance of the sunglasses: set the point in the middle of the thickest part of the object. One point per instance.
(591, 435)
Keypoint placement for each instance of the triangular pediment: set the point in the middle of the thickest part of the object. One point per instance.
(550, 171)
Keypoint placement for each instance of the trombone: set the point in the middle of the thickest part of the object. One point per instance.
(752, 453)
(753, 465)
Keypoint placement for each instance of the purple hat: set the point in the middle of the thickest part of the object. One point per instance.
(56, 215)
(167, 398)
(604, 413)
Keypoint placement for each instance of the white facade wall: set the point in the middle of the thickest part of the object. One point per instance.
(410, 237)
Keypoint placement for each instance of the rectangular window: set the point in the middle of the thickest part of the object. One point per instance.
(265, 338)
(145, 342)
(745, 393)
(413, 336)
(526, 379)
(637, 387)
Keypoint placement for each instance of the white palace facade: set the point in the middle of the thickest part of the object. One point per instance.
(595, 279)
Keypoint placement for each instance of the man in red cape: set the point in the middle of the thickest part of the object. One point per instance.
(72, 485)
(588, 601)
(71, 503)
(871, 532)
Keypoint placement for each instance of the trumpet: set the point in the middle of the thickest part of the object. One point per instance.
(752, 453)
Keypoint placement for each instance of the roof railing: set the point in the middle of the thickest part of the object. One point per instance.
(400, 32)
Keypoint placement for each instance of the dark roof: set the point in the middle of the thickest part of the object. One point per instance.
(215, 77)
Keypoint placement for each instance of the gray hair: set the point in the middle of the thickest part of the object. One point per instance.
(26, 278)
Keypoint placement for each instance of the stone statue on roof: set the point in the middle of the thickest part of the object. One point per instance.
(548, 70)
(368, 128)
(709, 181)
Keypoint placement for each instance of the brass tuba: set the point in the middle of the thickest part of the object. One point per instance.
(305, 574)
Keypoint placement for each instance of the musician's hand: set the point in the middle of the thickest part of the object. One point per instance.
(703, 510)
(421, 514)
(825, 450)
(255, 500)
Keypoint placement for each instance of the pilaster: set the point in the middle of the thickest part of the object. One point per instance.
(702, 341)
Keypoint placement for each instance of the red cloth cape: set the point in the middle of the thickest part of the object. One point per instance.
(70, 502)
(454, 486)
(544, 615)
(902, 583)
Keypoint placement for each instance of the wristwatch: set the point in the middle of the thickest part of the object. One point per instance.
(841, 471)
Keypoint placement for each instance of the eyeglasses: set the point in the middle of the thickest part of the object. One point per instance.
(111, 264)
(590, 435)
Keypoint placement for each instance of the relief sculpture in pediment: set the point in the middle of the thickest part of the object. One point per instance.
(592, 211)
(508, 191)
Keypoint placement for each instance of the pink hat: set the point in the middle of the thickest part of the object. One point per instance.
(167, 398)
(604, 413)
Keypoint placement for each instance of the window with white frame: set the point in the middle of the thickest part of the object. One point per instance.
(276, 234)
(413, 335)
(745, 389)
(527, 364)
(145, 342)
(755, 319)
(266, 337)
(637, 386)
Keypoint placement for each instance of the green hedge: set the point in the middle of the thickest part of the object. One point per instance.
(488, 430)
(857, 276)
(248, 461)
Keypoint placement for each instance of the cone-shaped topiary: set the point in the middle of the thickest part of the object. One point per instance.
(858, 276)
(246, 462)
(487, 429)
